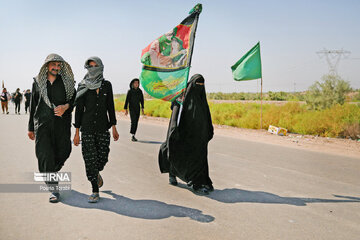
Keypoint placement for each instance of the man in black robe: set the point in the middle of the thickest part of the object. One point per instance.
(134, 98)
(53, 94)
(184, 154)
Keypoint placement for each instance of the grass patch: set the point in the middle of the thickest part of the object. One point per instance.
(336, 121)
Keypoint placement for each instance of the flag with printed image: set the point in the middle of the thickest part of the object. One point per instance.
(166, 61)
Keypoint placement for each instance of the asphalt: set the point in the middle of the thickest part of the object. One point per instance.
(262, 191)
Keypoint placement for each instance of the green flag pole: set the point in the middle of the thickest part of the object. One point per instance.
(261, 98)
(261, 93)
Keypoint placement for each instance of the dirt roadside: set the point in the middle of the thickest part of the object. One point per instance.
(337, 146)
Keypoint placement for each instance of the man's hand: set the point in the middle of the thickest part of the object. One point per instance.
(142, 110)
(126, 112)
(76, 139)
(31, 135)
(115, 133)
(59, 110)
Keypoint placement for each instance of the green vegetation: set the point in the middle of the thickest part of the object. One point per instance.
(269, 96)
(337, 121)
(332, 90)
(326, 112)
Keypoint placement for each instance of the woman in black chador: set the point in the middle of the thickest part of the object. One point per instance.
(134, 98)
(184, 154)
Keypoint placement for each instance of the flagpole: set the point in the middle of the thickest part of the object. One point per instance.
(261, 98)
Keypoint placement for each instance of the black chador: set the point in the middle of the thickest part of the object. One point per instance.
(134, 98)
(184, 154)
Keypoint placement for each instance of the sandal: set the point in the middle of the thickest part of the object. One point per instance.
(100, 181)
(54, 197)
(94, 198)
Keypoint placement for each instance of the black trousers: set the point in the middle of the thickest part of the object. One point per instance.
(17, 107)
(95, 151)
(27, 104)
(134, 116)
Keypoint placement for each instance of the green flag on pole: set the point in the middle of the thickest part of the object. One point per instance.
(249, 66)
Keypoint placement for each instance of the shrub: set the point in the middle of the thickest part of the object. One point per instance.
(325, 94)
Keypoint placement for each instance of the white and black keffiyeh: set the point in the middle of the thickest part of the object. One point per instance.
(65, 73)
(93, 78)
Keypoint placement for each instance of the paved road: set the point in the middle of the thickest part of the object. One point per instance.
(262, 192)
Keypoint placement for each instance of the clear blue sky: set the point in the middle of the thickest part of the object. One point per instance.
(290, 33)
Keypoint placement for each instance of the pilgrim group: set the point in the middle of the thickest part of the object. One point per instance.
(53, 98)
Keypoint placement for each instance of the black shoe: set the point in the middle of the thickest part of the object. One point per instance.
(200, 190)
(133, 138)
(210, 188)
(172, 180)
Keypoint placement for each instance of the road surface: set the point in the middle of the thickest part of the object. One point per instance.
(263, 191)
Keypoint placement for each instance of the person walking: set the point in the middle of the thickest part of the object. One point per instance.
(94, 115)
(52, 99)
(134, 98)
(184, 153)
(17, 100)
(27, 100)
(5, 97)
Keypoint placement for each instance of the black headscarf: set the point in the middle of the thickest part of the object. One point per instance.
(131, 85)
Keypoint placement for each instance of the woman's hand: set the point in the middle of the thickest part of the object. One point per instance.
(115, 133)
(77, 138)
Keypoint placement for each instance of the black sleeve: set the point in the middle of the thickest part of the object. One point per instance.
(79, 111)
(33, 103)
(127, 99)
(71, 103)
(110, 105)
(142, 99)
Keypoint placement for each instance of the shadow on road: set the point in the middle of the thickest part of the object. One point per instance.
(234, 195)
(149, 142)
(145, 209)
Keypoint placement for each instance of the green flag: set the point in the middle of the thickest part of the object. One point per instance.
(249, 66)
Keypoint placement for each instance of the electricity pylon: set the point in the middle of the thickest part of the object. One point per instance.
(333, 58)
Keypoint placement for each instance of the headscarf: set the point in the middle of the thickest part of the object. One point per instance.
(93, 78)
(65, 73)
(131, 85)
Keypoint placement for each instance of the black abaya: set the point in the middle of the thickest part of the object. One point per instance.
(184, 154)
